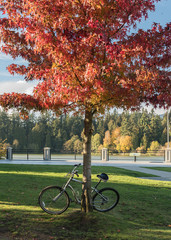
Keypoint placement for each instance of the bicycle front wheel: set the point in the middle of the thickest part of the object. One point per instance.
(105, 200)
(54, 200)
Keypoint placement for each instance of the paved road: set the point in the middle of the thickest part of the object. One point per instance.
(139, 166)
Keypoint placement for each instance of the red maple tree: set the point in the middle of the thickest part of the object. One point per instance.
(85, 59)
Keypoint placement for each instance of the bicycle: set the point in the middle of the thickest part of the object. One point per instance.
(56, 200)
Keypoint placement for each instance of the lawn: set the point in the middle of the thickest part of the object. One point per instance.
(142, 213)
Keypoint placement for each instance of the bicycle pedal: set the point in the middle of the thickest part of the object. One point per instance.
(71, 200)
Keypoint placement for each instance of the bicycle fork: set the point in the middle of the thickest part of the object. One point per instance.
(63, 190)
(58, 196)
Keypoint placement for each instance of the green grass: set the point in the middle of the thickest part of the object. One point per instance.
(166, 169)
(142, 213)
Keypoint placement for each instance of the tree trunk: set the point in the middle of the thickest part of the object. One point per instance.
(86, 202)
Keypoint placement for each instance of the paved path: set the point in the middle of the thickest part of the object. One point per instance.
(159, 175)
(139, 166)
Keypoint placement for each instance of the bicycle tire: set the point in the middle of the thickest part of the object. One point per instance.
(105, 200)
(50, 206)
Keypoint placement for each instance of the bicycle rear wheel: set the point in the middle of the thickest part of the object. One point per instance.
(48, 203)
(105, 200)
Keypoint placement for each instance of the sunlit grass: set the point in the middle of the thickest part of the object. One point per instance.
(142, 213)
(34, 173)
(13, 206)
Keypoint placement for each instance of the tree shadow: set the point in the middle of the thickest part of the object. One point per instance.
(22, 213)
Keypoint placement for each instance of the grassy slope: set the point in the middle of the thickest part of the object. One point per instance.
(142, 213)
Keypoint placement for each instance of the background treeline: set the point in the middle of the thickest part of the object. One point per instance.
(118, 132)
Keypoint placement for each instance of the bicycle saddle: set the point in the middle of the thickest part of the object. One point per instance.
(103, 176)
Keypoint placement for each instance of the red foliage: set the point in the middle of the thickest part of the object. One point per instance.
(83, 55)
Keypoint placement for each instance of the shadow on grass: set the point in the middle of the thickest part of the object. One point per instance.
(72, 225)
(141, 213)
(75, 225)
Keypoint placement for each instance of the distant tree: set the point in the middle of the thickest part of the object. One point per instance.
(28, 125)
(67, 125)
(141, 149)
(154, 146)
(144, 125)
(5, 131)
(164, 127)
(126, 126)
(135, 137)
(101, 128)
(118, 121)
(135, 129)
(155, 128)
(38, 135)
(145, 141)
(15, 144)
(115, 137)
(69, 145)
(125, 144)
(77, 126)
(111, 125)
(56, 125)
(3, 147)
(107, 118)
(48, 142)
(96, 141)
(59, 140)
(164, 136)
(107, 139)
(78, 146)
(19, 133)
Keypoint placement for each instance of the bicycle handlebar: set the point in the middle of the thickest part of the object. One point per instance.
(73, 170)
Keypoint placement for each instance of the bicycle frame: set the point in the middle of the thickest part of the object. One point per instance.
(77, 200)
(68, 185)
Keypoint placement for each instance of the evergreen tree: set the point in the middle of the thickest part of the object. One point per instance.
(28, 124)
(101, 128)
(135, 132)
(58, 141)
(155, 128)
(5, 127)
(77, 126)
(144, 124)
(111, 125)
(126, 127)
(48, 142)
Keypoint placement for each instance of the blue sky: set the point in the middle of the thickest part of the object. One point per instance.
(16, 83)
